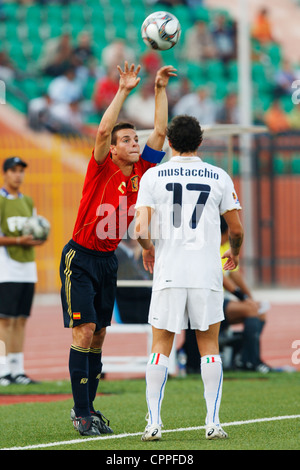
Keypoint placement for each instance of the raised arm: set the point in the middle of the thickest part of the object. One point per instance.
(157, 138)
(128, 81)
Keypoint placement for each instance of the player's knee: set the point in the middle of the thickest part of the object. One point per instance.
(83, 335)
(250, 311)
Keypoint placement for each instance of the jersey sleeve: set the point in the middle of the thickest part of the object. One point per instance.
(145, 194)
(230, 199)
(94, 170)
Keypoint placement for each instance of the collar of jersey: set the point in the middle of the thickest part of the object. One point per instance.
(7, 195)
(178, 158)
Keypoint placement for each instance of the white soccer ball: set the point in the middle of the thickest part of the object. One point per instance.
(161, 30)
(37, 226)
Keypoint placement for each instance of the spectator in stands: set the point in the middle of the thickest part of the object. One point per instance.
(2, 11)
(65, 118)
(229, 111)
(262, 29)
(224, 35)
(197, 104)
(105, 89)
(140, 106)
(83, 56)
(7, 69)
(38, 112)
(284, 79)
(66, 88)
(150, 61)
(116, 53)
(199, 43)
(177, 90)
(276, 118)
(56, 55)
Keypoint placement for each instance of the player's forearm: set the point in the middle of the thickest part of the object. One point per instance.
(9, 241)
(235, 241)
(146, 243)
(157, 138)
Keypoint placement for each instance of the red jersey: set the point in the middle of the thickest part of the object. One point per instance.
(108, 201)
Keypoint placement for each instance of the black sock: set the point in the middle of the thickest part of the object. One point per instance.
(79, 372)
(95, 368)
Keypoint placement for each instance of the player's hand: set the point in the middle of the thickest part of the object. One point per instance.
(163, 75)
(149, 258)
(129, 76)
(28, 240)
(232, 260)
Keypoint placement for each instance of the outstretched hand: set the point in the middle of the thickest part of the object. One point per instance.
(149, 258)
(163, 75)
(232, 261)
(129, 76)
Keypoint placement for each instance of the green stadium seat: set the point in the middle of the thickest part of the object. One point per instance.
(295, 165)
(214, 70)
(279, 165)
(10, 9)
(202, 14)
(233, 70)
(195, 74)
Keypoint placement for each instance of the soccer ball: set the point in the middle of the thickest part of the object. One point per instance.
(161, 30)
(37, 226)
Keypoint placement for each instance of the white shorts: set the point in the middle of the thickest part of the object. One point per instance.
(172, 308)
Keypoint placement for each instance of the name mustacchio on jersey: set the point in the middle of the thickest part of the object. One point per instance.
(179, 221)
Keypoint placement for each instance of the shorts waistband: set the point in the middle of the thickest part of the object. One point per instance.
(101, 254)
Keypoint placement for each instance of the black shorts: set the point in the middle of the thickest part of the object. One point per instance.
(16, 299)
(89, 281)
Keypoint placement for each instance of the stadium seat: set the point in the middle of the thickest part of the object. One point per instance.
(295, 165)
(279, 165)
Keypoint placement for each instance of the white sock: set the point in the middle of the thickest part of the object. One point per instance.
(212, 376)
(16, 363)
(4, 367)
(156, 378)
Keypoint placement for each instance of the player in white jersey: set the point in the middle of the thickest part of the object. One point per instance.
(182, 201)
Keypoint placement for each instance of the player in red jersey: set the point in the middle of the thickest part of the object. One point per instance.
(88, 267)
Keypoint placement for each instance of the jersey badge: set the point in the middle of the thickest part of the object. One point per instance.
(134, 183)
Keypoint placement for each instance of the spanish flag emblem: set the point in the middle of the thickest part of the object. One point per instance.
(76, 316)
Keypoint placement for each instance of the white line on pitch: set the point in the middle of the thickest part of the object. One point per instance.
(120, 436)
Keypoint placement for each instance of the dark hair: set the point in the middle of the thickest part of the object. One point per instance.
(118, 127)
(185, 134)
(223, 225)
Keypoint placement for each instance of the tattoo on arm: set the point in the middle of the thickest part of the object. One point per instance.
(235, 244)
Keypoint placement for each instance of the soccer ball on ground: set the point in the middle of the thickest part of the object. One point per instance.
(161, 30)
(37, 226)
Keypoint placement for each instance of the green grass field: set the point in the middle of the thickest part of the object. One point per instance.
(246, 397)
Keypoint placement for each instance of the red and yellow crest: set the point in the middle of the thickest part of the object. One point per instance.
(134, 183)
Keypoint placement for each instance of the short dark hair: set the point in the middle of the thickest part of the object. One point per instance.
(118, 127)
(184, 133)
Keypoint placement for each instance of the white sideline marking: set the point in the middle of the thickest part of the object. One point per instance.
(120, 436)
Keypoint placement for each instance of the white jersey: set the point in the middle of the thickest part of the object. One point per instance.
(188, 196)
